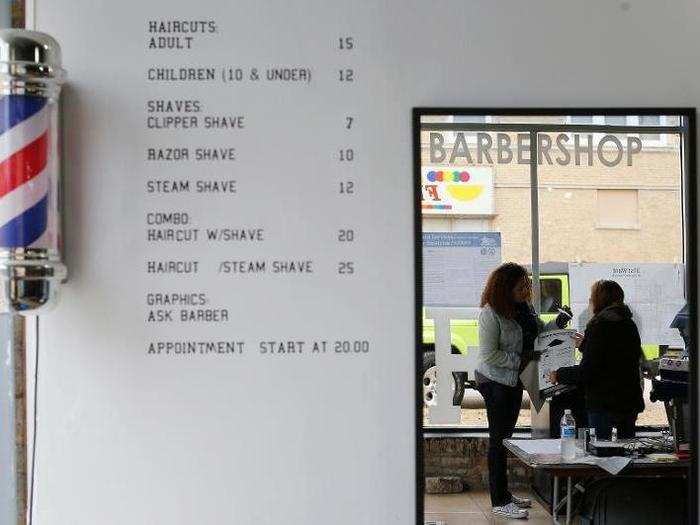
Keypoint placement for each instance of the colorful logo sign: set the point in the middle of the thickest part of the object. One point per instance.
(457, 191)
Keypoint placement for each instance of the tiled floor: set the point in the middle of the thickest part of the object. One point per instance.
(474, 508)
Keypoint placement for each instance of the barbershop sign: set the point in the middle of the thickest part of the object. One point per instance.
(457, 190)
(554, 149)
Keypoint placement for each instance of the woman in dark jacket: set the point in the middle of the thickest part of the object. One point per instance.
(610, 367)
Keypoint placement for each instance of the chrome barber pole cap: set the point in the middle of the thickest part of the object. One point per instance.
(31, 269)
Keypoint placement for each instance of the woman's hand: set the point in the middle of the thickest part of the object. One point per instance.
(553, 377)
(578, 337)
(565, 315)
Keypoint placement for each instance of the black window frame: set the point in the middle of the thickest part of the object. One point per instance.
(689, 217)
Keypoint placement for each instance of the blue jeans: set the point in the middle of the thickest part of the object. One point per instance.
(603, 422)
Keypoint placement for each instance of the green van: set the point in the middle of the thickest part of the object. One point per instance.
(465, 332)
(555, 291)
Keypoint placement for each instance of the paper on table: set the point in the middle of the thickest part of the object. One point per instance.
(538, 446)
(612, 464)
(551, 447)
(660, 457)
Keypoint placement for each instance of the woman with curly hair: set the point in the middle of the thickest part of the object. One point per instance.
(508, 326)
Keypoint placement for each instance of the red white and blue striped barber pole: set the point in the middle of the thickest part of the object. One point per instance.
(30, 252)
(24, 170)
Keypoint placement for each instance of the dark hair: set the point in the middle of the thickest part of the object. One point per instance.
(606, 293)
(498, 292)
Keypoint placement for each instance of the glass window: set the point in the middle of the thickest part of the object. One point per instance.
(588, 221)
(581, 119)
(472, 119)
(617, 209)
(492, 195)
(470, 136)
(550, 295)
(615, 120)
(619, 204)
(650, 120)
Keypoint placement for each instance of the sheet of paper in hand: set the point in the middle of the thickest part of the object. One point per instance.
(557, 350)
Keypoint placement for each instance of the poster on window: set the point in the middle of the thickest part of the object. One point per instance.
(456, 266)
(457, 190)
(653, 291)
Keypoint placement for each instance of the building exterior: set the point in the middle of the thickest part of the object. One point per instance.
(608, 200)
(590, 212)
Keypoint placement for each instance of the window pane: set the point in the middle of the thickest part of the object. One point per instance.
(596, 218)
(450, 136)
(617, 209)
(550, 295)
(616, 120)
(470, 136)
(617, 205)
(650, 137)
(491, 193)
(650, 120)
(579, 201)
(582, 119)
(470, 118)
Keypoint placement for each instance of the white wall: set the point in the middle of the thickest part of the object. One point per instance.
(103, 456)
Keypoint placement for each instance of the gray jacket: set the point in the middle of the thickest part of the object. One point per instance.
(501, 344)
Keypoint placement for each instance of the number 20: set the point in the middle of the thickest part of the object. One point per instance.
(346, 235)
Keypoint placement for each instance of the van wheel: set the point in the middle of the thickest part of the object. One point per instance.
(430, 381)
(429, 378)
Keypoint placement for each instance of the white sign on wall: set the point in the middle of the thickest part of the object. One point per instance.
(456, 266)
(200, 433)
(237, 323)
(653, 291)
(457, 190)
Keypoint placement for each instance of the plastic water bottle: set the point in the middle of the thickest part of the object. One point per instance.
(568, 436)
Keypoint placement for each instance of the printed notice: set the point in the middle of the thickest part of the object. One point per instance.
(242, 258)
(653, 291)
(456, 266)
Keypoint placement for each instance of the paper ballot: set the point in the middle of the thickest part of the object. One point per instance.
(557, 350)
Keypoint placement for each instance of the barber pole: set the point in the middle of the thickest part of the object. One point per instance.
(30, 251)
(31, 269)
(24, 171)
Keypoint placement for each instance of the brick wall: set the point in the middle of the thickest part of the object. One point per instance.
(569, 229)
(465, 457)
